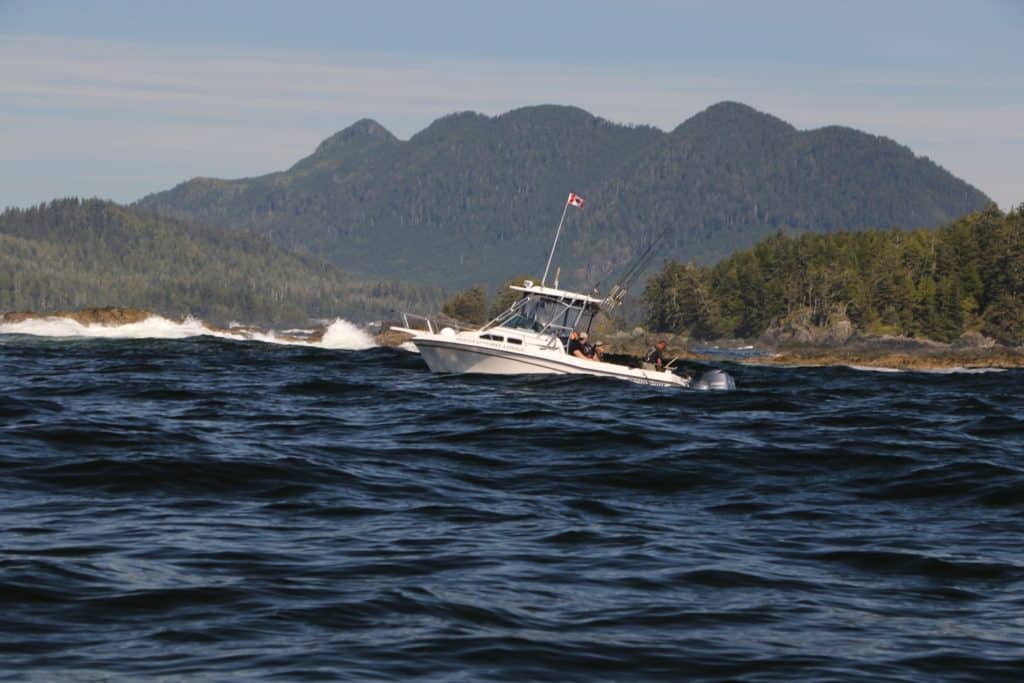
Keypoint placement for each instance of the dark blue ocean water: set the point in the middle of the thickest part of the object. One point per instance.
(217, 510)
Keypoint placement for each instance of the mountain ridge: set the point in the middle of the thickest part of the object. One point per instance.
(471, 198)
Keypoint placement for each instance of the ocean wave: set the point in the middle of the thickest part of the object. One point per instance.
(872, 368)
(955, 370)
(340, 334)
(153, 327)
(376, 519)
(959, 371)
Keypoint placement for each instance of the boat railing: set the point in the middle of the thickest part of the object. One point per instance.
(557, 332)
(413, 321)
(418, 322)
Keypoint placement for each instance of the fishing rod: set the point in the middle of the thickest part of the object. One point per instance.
(635, 269)
(632, 267)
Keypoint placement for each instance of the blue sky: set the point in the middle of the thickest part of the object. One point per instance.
(119, 99)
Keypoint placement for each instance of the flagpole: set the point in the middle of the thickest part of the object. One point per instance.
(565, 209)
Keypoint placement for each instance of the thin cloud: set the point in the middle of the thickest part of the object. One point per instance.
(161, 100)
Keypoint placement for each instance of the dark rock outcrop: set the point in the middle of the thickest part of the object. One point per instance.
(805, 327)
(110, 315)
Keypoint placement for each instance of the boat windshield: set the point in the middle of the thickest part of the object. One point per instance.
(540, 313)
(522, 321)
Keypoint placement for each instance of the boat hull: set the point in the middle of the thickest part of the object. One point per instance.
(458, 359)
(450, 356)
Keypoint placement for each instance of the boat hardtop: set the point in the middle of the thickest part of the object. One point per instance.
(561, 294)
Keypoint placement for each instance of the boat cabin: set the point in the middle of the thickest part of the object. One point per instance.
(549, 312)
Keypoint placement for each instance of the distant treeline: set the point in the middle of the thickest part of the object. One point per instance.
(71, 253)
(966, 276)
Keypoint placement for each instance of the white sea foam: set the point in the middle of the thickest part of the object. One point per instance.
(961, 371)
(871, 368)
(408, 346)
(930, 371)
(153, 327)
(340, 334)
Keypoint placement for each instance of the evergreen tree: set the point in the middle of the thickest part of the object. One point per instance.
(965, 276)
(469, 306)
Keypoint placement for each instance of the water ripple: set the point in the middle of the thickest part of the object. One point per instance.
(212, 509)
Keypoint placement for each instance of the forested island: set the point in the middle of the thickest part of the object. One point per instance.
(965, 277)
(71, 253)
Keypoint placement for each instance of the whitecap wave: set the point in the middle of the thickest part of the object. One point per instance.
(929, 371)
(872, 368)
(960, 371)
(339, 335)
(153, 327)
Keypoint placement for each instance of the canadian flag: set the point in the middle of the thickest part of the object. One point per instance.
(575, 200)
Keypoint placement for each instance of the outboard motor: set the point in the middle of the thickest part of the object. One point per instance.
(714, 380)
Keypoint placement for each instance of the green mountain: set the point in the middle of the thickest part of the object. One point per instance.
(473, 198)
(70, 253)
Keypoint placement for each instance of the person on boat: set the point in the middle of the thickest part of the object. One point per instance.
(579, 347)
(575, 346)
(590, 351)
(656, 356)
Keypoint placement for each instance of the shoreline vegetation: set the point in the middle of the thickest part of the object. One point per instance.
(960, 285)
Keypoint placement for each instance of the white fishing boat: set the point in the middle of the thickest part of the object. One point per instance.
(533, 337)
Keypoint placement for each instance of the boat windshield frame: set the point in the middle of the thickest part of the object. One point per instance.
(556, 324)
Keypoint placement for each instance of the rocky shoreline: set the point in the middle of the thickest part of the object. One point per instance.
(110, 315)
(898, 354)
(971, 351)
(881, 352)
